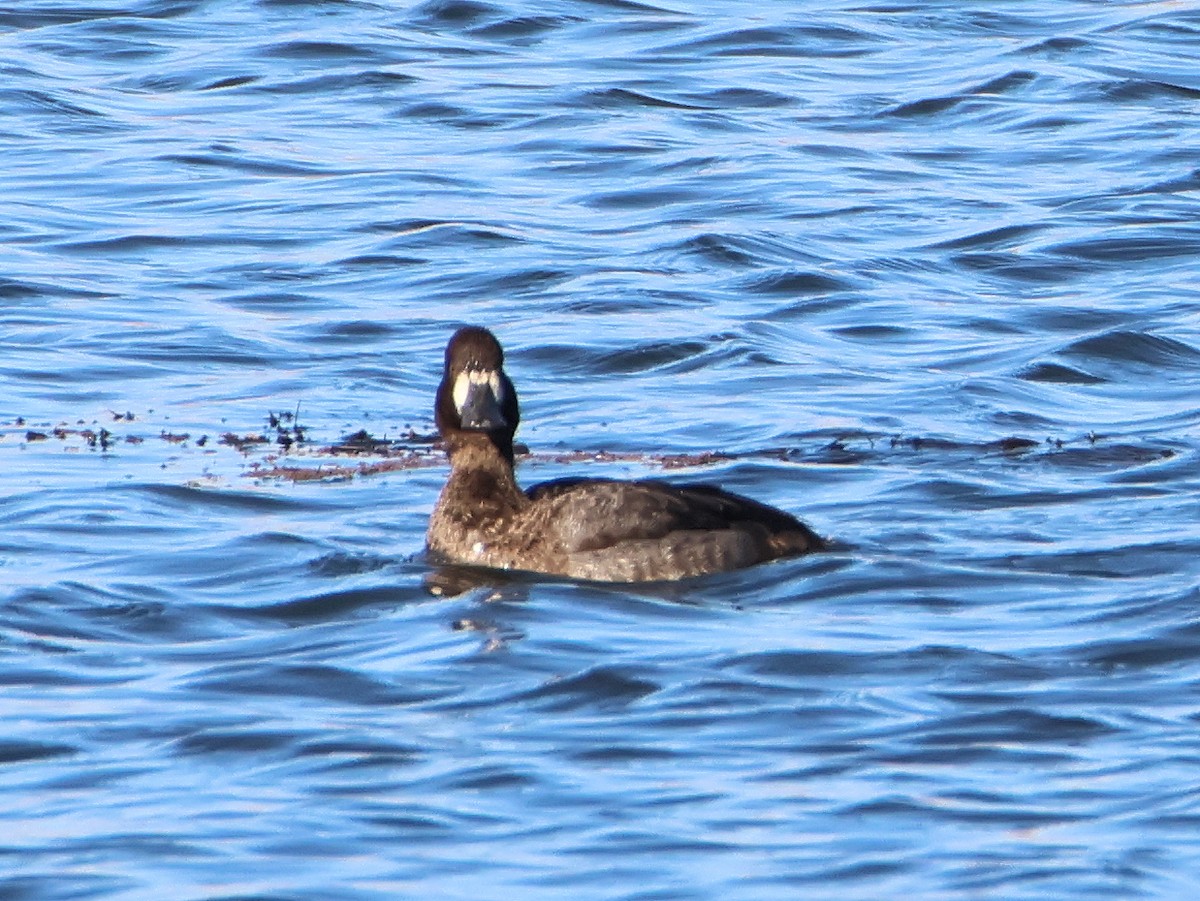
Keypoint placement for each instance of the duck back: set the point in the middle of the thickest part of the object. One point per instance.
(651, 530)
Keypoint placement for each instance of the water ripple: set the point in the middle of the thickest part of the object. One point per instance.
(922, 274)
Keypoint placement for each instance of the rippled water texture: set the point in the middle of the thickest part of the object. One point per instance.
(924, 274)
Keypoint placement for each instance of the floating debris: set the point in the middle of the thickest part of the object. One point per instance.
(360, 442)
(241, 442)
(101, 439)
(683, 461)
(284, 451)
(288, 431)
(335, 472)
(363, 442)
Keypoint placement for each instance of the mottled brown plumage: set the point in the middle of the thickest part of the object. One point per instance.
(596, 529)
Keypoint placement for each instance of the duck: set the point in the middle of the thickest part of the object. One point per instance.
(587, 529)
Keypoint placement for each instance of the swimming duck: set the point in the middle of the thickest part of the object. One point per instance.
(601, 530)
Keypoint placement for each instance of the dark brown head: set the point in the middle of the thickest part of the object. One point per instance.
(475, 400)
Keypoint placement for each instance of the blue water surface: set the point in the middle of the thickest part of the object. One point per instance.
(924, 274)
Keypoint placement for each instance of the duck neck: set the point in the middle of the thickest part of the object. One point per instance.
(483, 472)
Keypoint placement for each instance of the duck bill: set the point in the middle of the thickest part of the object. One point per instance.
(475, 396)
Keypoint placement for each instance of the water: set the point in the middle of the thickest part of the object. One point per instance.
(850, 248)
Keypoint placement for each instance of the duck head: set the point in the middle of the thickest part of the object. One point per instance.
(476, 401)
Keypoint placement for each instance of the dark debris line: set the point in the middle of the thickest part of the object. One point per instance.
(285, 437)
